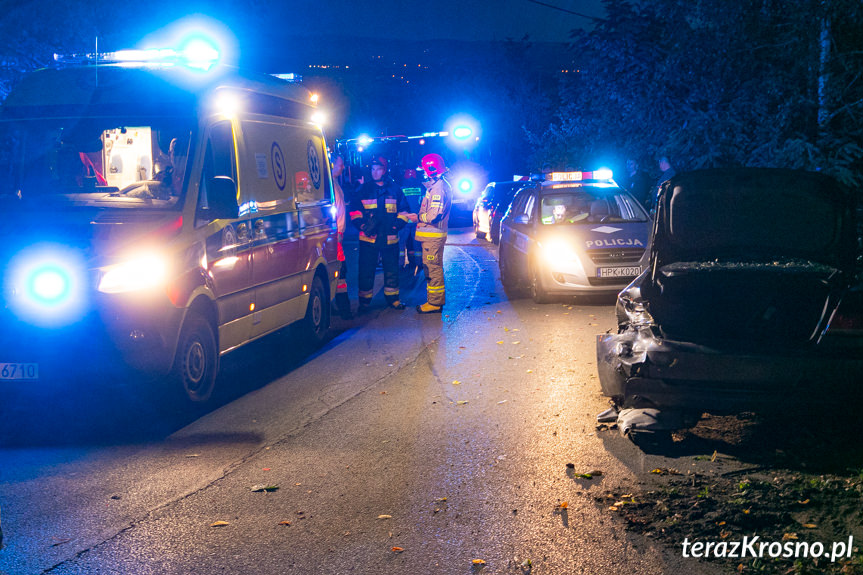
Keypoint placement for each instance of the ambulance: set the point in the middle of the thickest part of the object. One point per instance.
(161, 211)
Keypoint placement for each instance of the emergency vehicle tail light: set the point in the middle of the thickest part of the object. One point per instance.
(848, 317)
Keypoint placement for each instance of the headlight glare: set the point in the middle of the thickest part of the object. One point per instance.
(140, 273)
(558, 252)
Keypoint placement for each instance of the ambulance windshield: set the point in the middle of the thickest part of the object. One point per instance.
(127, 162)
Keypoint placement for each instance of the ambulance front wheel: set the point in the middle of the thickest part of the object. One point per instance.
(197, 360)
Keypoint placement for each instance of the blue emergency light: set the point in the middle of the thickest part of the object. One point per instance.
(49, 285)
(196, 53)
(462, 132)
(465, 185)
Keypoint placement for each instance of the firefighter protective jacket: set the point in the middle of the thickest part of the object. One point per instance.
(434, 211)
(379, 212)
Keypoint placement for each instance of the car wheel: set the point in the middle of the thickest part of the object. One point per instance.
(317, 320)
(506, 275)
(537, 292)
(197, 360)
(479, 235)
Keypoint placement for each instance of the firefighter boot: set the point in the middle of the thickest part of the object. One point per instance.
(429, 308)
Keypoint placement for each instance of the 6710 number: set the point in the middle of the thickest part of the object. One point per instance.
(19, 371)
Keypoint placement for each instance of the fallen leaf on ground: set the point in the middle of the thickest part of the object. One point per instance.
(396, 549)
(499, 402)
(284, 522)
(789, 536)
(461, 402)
(263, 487)
(810, 526)
(563, 505)
(440, 499)
(478, 562)
(456, 382)
(500, 342)
(219, 524)
(516, 342)
(385, 516)
(530, 371)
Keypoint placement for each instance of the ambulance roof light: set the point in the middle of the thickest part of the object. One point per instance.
(196, 54)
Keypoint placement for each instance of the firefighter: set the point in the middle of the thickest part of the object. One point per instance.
(343, 303)
(379, 210)
(431, 231)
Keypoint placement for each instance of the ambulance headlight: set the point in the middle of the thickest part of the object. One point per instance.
(140, 273)
(465, 185)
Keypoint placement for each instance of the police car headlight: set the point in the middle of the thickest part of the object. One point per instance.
(557, 252)
(140, 273)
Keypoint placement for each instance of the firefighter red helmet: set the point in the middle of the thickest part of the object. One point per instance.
(380, 161)
(433, 165)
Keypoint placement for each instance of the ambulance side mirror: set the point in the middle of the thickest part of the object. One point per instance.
(222, 198)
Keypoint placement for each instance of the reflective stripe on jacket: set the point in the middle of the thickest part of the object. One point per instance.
(434, 211)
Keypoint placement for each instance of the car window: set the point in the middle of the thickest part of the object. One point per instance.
(529, 205)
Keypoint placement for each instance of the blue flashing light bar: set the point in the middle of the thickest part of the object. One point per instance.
(289, 77)
(197, 54)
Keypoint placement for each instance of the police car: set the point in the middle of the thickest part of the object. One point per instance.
(575, 233)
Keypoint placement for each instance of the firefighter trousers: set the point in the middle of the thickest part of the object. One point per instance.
(433, 263)
(369, 262)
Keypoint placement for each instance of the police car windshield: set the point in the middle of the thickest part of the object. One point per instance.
(584, 206)
(98, 162)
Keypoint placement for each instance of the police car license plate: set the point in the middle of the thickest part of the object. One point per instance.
(630, 272)
(19, 371)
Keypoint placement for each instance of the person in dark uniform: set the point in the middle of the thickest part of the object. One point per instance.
(379, 210)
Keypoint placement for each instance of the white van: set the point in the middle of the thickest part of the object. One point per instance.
(159, 213)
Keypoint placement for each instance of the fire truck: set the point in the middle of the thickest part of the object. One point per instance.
(404, 155)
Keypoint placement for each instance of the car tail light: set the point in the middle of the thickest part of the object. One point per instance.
(848, 317)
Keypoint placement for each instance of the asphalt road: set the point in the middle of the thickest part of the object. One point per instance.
(409, 444)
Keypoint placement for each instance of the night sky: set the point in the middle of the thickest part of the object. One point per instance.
(262, 26)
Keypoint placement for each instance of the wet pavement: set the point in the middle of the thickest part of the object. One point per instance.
(409, 444)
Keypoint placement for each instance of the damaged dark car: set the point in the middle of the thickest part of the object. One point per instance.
(752, 297)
